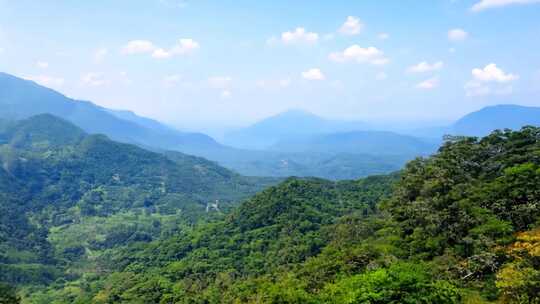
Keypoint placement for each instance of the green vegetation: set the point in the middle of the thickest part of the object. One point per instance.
(8, 295)
(66, 198)
(461, 226)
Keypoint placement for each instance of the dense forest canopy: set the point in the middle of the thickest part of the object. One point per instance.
(461, 226)
(88, 220)
(68, 197)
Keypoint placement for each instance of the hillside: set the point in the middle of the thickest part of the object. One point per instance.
(460, 226)
(67, 196)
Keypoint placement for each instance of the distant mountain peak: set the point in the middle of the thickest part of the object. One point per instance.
(490, 118)
(285, 126)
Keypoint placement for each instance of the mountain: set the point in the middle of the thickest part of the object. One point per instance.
(67, 195)
(460, 226)
(484, 121)
(21, 99)
(142, 121)
(286, 126)
(359, 142)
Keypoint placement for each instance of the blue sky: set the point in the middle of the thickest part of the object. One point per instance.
(209, 64)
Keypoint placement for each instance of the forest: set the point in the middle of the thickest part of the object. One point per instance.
(100, 222)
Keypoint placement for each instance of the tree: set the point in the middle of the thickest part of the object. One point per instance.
(8, 295)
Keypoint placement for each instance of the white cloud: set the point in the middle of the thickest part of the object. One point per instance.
(100, 54)
(220, 82)
(93, 79)
(383, 36)
(457, 35)
(184, 46)
(352, 26)
(489, 80)
(161, 54)
(313, 74)
(47, 81)
(487, 4)
(299, 35)
(381, 76)
(42, 64)
(428, 84)
(491, 73)
(424, 66)
(139, 47)
(370, 55)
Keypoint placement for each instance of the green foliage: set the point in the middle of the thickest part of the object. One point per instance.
(519, 280)
(436, 239)
(67, 198)
(400, 283)
(128, 229)
(8, 295)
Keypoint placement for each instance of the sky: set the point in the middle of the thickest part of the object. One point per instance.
(200, 64)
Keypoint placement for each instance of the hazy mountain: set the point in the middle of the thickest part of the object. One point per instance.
(21, 98)
(359, 142)
(484, 121)
(287, 126)
(140, 120)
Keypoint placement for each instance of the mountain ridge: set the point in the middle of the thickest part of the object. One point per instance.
(289, 125)
(22, 98)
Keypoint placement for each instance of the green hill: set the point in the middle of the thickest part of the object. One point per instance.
(460, 226)
(67, 196)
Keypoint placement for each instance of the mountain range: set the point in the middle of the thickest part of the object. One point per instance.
(359, 142)
(21, 99)
(289, 125)
(293, 143)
